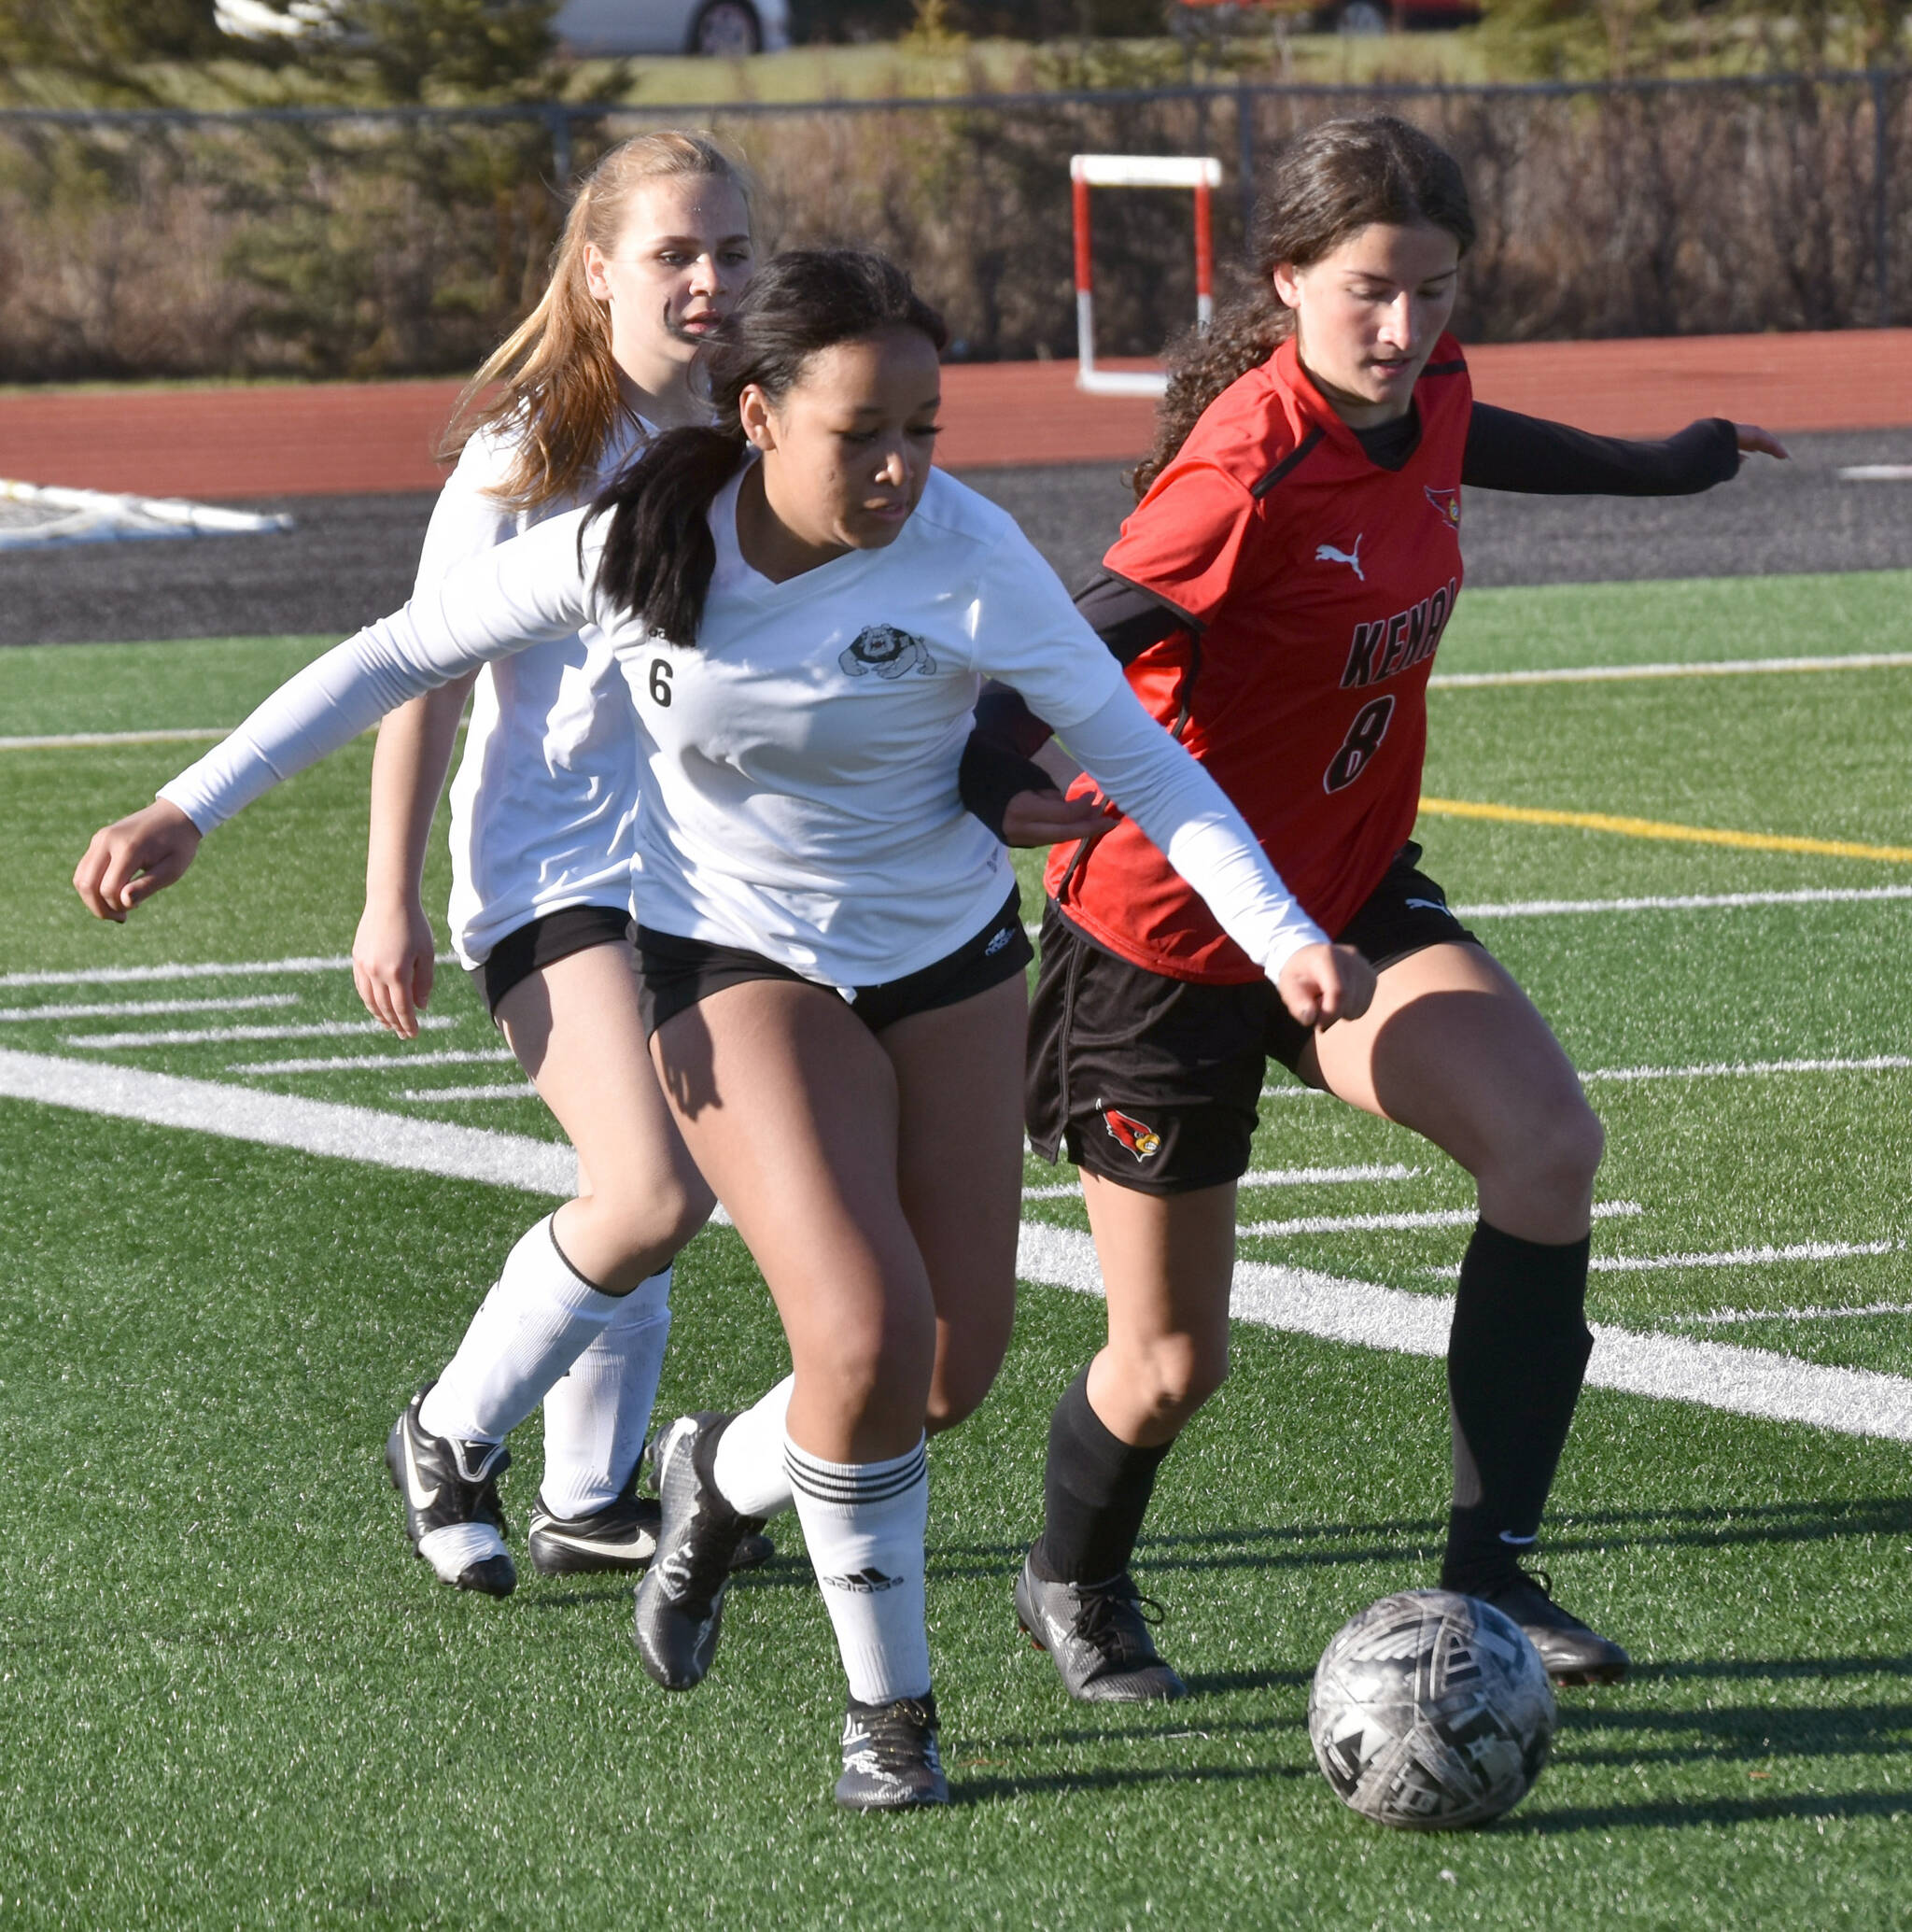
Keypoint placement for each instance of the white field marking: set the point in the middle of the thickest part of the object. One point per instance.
(194, 1037)
(212, 969)
(1433, 1218)
(1271, 1177)
(1746, 1381)
(1877, 473)
(1740, 1257)
(1621, 674)
(1728, 1069)
(1687, 902)
(518, 1090)
(1294, 1090)
(62, 740)
(278, 1119)
(1672, 1368)
(1721, 1317)
(244, 1003)
(380, 1063)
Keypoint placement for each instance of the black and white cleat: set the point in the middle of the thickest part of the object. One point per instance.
(1575, 1655)
(1097, 1636)
(891, 1762)
(623, 1536)
(452, 1512)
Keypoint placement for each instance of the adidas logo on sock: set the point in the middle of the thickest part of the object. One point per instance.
(867, 1582)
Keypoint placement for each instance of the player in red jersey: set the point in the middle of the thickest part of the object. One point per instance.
(1277, 597)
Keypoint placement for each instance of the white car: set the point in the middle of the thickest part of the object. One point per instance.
(725, 28)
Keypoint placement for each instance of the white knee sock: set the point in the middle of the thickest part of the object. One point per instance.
(538, 1319)
(864, 1524)
(749, 1466)
(594, 1418)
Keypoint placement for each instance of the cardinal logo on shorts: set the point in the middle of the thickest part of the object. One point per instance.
(888, 652)
(1447, 502)
(1138, 1136)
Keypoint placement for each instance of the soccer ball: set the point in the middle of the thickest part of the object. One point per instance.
(1430, 1710)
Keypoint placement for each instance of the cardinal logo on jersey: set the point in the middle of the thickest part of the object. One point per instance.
(1327, 553)
(1446, 502)
(888, 652)
(1138, 1136)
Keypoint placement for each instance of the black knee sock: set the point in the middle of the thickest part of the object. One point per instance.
(1516, 1358)
(1095, 1491)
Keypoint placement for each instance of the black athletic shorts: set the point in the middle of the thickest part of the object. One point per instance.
(1154, 1082)
(677, 973)
(530, 949)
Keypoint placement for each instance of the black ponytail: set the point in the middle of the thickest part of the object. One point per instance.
(658, 551)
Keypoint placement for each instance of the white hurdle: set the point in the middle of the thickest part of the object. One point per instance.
(1200, 173)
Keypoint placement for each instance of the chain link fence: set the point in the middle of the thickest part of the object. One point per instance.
(359, 243)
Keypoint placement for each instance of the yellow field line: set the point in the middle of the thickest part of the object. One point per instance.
(1656, 828)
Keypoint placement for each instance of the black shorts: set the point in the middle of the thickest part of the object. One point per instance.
(675, 973)
(530, 949)
(1154, 1082)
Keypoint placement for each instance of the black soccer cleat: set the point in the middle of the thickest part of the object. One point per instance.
(452, 1512)
(623, 1536)
(891, 1762)
(1097, 1637)
(1574, 1655)
(680, 1606)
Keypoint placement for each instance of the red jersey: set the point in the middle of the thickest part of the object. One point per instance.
(1314, 585)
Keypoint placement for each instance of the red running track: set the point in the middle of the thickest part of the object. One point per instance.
(326, 439)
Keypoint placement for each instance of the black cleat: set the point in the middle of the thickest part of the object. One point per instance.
(1097, 1637)
(680, 1606)
(1573, 1653)
(623, 1536)
(452, 1512)
(891, 1762)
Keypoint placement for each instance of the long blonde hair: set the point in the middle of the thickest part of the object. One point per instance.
(557, 394)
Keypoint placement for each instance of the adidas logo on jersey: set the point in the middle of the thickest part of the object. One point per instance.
(1391, 644)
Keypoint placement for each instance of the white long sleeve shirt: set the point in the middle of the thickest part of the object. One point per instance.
(799, 762)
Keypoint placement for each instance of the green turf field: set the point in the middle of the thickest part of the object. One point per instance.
(228, 1697)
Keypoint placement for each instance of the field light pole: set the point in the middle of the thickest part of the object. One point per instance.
(1202, 173)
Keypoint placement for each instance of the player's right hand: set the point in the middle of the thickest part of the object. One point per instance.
(1321, 984)
(133, 858)
(394, 958)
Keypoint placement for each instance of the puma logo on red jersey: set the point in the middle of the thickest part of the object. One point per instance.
(1327, 553)
(1138, 1136)
(1447, 502)
(1391, 644)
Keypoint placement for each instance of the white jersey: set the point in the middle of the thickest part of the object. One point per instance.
(545, 800)
(799, 762)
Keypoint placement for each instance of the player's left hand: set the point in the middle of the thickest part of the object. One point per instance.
(133, 858)
(1755, 441)
(1047, 818)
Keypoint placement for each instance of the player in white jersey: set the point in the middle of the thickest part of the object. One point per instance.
(833, 981)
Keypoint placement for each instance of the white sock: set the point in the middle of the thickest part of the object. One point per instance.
(538, 1319)
(865, 1523)
(748, 1467)
(594, 1418)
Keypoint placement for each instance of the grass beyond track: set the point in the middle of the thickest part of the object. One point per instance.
(229, 1697)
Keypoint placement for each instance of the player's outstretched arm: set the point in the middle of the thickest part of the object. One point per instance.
(1754, 441)
(1321, 984)
(133, 858)
(394, 950)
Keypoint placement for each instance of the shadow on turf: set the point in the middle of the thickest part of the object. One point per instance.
(1734, 1732)
(1706, 1811)
(977, 1791)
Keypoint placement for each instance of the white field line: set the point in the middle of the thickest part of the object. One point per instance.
(1672, 1368)
(518, 1090)
(278, 1119)
(204, 1036)
(244, 1003)
(380, 1063)
(1721, 1317)
(1687, 902)
(1432, 1217)
(1738, 1069)
(1746, 1381)
(1877, 473)
(1269, 1177)
(1740, 1257)
(209, 969)
(64, 740)
(1626, 673)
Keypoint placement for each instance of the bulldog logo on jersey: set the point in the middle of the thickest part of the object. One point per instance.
(1447, 502)
(1138, 1136)
(888, 652)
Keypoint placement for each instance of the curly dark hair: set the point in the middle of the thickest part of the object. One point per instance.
(1326, 186)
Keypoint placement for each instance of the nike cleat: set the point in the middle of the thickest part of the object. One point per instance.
(1574, 1655)
(680, 1605)
(891, 1762)
(1097, 1637)
(452, 1512)
(623, 1536)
